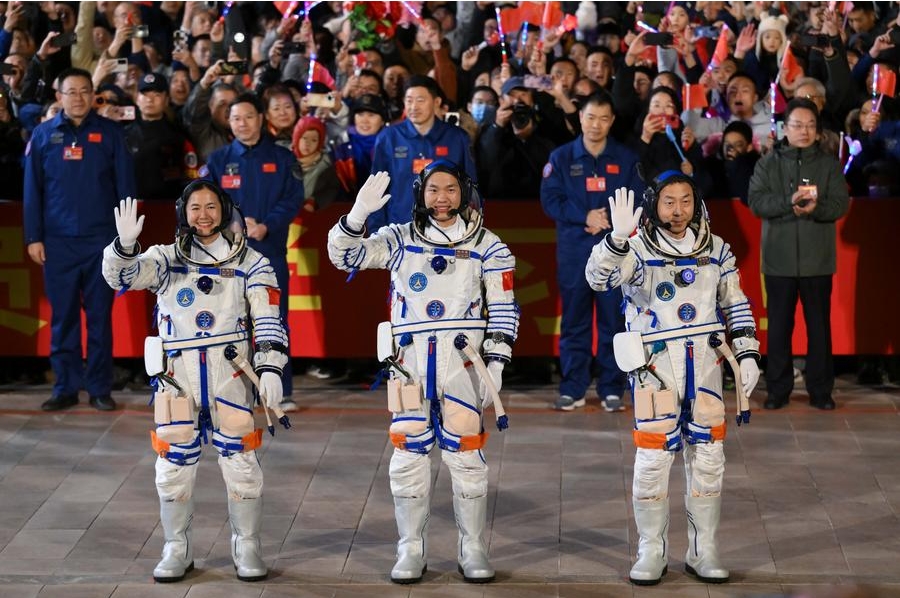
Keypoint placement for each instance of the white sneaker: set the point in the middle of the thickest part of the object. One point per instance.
(567, 403)
(288, 405)
(613, 403)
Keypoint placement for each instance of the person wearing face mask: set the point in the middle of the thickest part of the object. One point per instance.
(452, 308)
(483, 106)
(353, 159)
(685, 314)
(512, 152)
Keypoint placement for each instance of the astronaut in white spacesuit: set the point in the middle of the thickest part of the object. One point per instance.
(215, 296)
(451, 302)
(683, 304)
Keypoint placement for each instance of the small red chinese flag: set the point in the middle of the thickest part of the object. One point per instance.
(693, 96)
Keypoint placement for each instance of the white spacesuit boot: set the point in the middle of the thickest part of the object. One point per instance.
(471, 516)
(246, 519)
(702, 557)
(412, 525)
(177, 553)
(652, 520)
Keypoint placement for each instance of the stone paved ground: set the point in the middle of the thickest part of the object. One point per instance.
(812, 503)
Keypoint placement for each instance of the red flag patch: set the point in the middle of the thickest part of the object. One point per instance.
(612, 169)
(95, 137)
(270, 167)
(274, 296)
(508, 280)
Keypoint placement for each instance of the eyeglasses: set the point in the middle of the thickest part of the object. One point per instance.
(802, 126)
(77, 92)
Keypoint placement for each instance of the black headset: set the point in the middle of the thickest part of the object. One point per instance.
(224, 201)
(662, 180)
(466, 186)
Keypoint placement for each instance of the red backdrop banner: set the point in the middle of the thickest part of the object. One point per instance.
(334, 318)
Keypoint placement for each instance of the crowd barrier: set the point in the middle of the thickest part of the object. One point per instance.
(334, 318)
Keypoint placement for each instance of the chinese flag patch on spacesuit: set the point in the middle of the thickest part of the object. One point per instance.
(274, 296)
(508, 280)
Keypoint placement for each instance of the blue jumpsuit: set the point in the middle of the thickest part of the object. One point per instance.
(260, 180)
(402, 151)
(566, 199)
(74, 178)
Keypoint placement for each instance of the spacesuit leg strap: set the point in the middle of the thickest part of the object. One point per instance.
(178, 454)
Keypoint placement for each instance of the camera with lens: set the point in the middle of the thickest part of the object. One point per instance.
(522, 115)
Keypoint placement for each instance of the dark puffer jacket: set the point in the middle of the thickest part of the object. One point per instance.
(798, 245)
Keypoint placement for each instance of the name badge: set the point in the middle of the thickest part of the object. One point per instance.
(231, 181)
(73, 153)
(595, 183)
(419, 164)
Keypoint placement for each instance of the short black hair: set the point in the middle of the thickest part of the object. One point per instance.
(599, 98)
(73, 72)
(247, 98)
(798, 103)
(426, 82)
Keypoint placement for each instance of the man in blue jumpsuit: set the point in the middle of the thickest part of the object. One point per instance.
(77, 168)
(408, 147)
(259, 177)
(577, 181)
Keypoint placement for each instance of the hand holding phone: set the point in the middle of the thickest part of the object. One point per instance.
(233, 67)
(659, 39)
(64, 40)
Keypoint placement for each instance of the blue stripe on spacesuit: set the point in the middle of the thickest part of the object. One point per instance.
(460, 402)
(208, 270)
(443, 251)
(689, 390)
(684, 261)
(431, 370)
(233, 405)
(710, 392)
(205, 420)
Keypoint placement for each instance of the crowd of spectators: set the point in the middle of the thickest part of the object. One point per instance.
(332, 80)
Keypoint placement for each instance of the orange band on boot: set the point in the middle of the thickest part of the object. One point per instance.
(160, 447)
(252, 441)
(472, 443)
(648, 440)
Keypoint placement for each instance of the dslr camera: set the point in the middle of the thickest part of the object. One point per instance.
(522, 114)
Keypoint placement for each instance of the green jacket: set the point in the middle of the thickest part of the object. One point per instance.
(798, 245)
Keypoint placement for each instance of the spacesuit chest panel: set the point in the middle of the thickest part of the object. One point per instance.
(678, 295)
(432, 286)
(202, 304)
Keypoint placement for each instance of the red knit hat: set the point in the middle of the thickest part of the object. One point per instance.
(303, 125)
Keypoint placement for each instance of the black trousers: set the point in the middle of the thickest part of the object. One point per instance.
(814, 293)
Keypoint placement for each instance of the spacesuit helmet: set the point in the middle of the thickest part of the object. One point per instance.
(651, 222)
(231, 227)
(470, 204)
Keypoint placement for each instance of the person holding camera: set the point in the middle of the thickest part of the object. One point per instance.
(512, 149)
(799, 192)
(573, 193)
(205, 115)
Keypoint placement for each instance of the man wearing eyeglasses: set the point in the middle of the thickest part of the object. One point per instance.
(77, 168)
(799, 191)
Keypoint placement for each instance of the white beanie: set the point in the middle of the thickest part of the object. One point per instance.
(778, 24)
(587, 16)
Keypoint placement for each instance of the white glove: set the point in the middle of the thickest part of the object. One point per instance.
(749, 375)
(128, 224)
(270, 389)
(623, 217)
(370, 199)
(495, 371)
